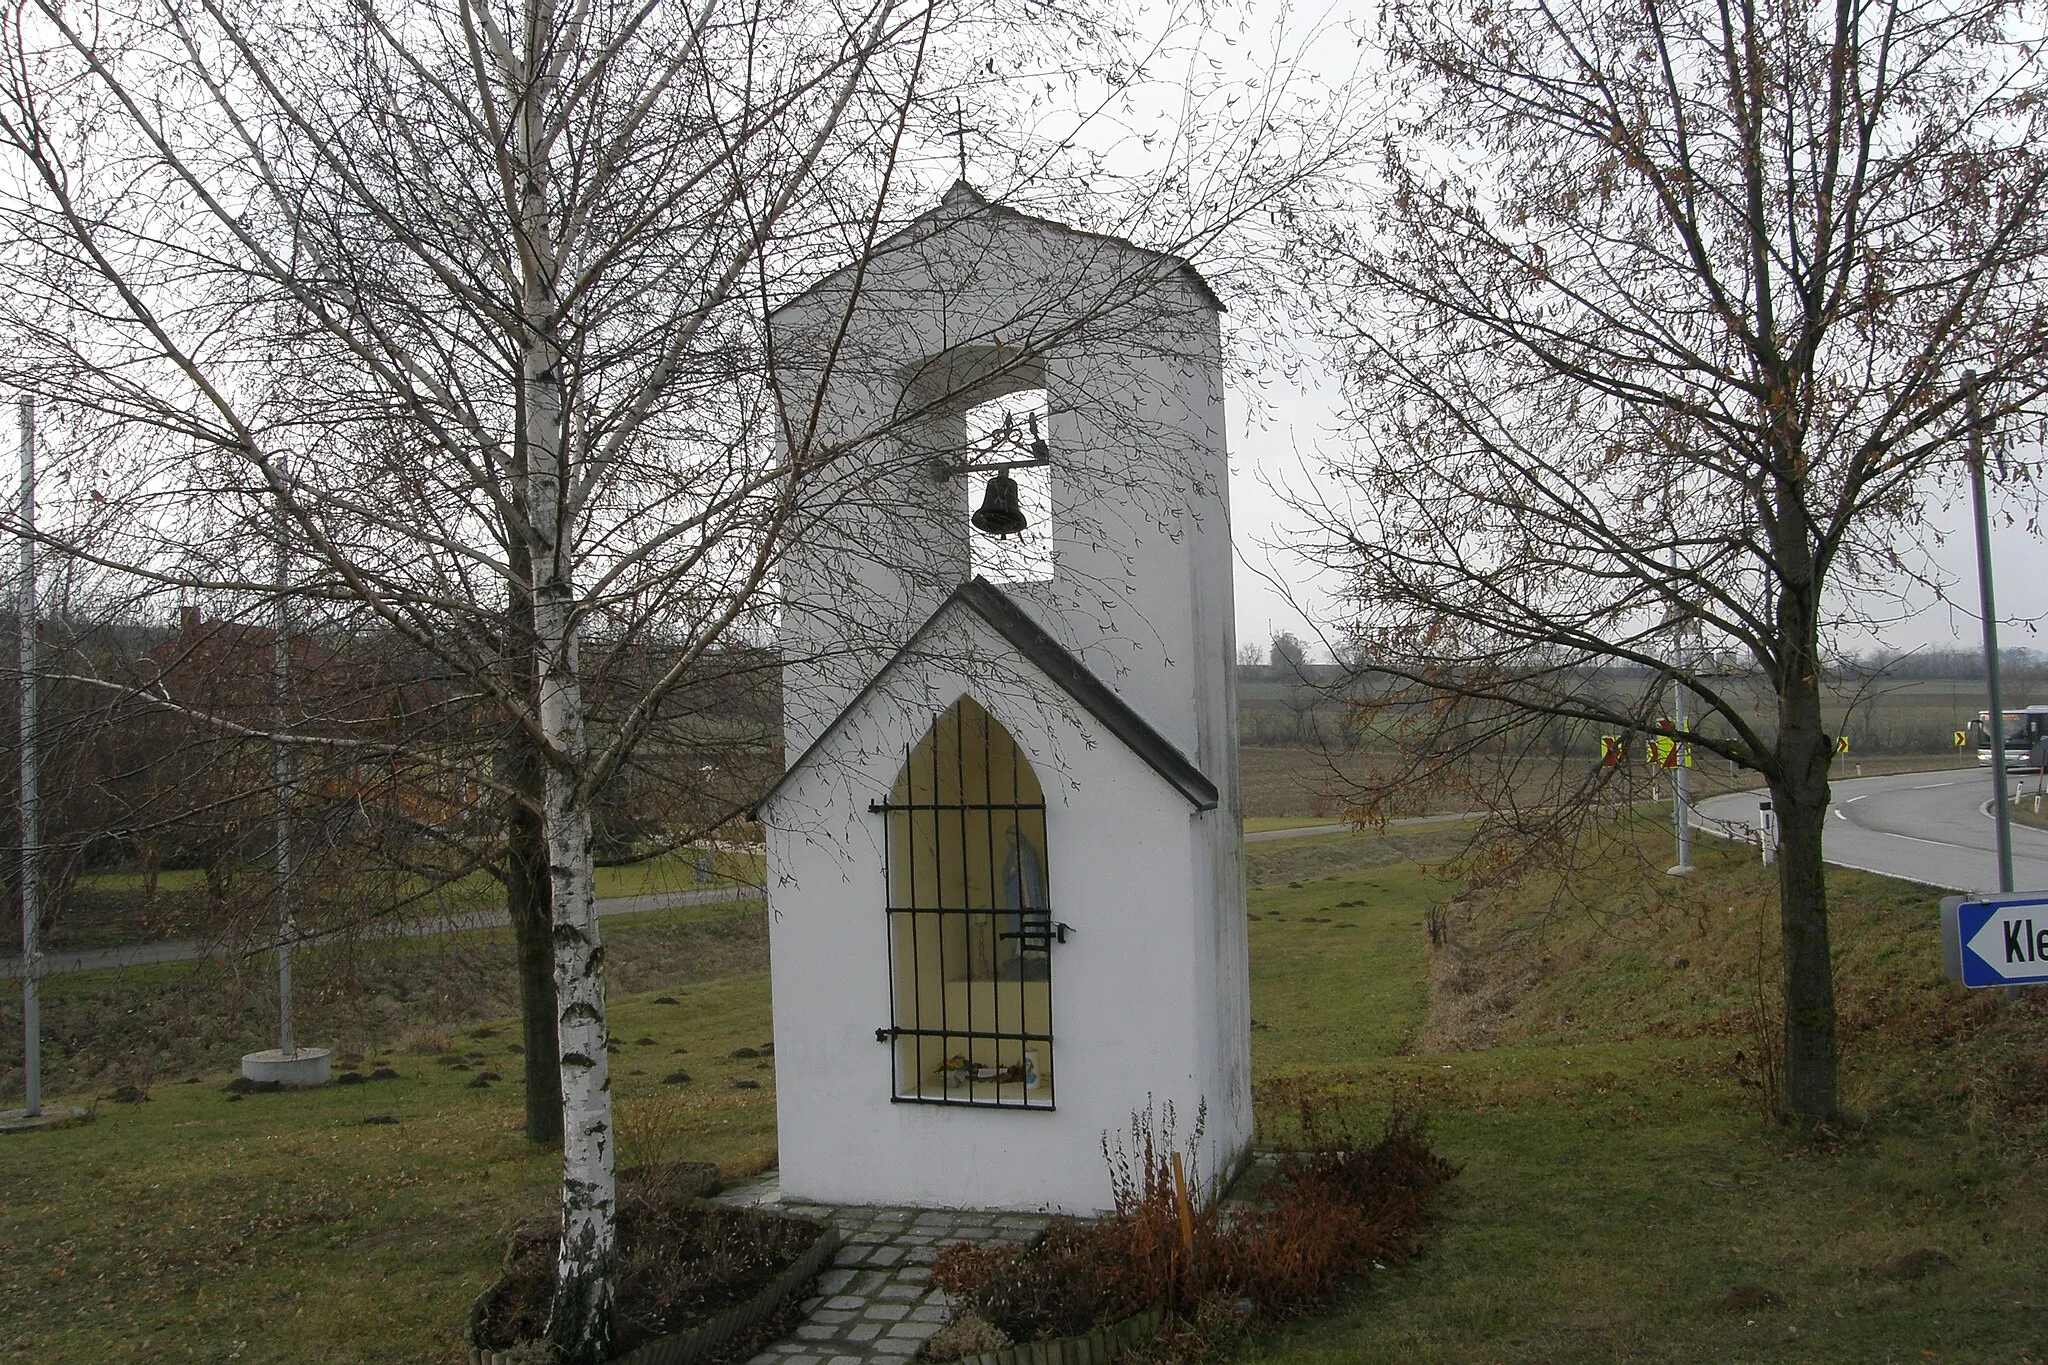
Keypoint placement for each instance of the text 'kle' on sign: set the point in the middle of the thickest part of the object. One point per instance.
(1995, 940)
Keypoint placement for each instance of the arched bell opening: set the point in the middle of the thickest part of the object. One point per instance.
(1012, 508)
(970, 919)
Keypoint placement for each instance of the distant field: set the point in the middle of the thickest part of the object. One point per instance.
(1296, 785)
(107, 909)
(1879, 717)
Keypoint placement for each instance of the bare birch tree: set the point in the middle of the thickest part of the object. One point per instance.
(1656, 339)
(479, 278)
(476, 295)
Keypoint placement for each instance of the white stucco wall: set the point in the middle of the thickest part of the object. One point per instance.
(1127, 345)
(1132, 988)
(1151, 994)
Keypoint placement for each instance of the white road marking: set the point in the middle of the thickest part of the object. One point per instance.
(1930, 786)
(1854, 799)
(1963, 848)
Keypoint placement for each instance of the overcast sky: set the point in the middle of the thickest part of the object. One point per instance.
(1273, 442)
(1270, 454)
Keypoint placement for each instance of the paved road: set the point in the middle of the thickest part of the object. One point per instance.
(186, 949)
(1930, 828)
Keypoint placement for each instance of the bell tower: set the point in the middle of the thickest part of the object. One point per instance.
(972, 304)
(1012, 571)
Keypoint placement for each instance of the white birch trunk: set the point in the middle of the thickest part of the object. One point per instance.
(580, 1321)
(580, 1324)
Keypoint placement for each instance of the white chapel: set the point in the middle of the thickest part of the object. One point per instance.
(1005, 863)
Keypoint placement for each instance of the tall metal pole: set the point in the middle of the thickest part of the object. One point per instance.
(281, 764)
(31, 818)
(2001, 798)
(1681, 789)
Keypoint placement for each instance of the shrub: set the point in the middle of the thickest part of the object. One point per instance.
(1338, 1206)
(1342, 1208)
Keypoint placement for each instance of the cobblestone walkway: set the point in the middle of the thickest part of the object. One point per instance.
(877, 1302)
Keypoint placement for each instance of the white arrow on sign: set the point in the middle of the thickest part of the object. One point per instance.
(2014, 942)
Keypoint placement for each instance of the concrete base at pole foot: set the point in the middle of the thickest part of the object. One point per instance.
(1682, 870)
(52, 1116)
(301, 1067)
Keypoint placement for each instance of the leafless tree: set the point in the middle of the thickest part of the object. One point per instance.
(1656, 335)
(479, 278)
(472, 300)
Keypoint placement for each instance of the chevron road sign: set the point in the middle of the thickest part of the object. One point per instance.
(1995, 940)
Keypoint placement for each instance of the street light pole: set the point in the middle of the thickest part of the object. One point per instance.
(31, 816)
(281, 759)
(287, 1063)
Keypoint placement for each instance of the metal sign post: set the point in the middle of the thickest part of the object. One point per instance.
(1681, 790)
(2001, 795)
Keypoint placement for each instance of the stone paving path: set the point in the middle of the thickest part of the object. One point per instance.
(877, 1302)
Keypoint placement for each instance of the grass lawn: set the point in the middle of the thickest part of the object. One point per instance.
(2031, 809)
(156, 1024)
(1253, 824)
(293, 1227)
(1617, 1177)
(1618, 1180)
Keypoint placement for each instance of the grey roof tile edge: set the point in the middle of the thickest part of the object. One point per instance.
(1061, 666)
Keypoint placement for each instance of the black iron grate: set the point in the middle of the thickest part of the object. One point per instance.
(969, 919)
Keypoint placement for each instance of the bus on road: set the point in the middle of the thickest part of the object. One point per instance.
(2026, 737)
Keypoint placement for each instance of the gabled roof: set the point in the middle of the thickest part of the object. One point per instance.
(1060, 666)
(963, 201)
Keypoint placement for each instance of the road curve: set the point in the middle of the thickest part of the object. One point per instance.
(1931, 828)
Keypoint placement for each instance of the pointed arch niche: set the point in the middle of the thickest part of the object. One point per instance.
(970, 922)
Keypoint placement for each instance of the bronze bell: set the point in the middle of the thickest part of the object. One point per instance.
(999, 514)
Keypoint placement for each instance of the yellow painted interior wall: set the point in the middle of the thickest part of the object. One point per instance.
(954, 971)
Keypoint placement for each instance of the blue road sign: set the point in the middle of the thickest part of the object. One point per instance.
(1995, 940)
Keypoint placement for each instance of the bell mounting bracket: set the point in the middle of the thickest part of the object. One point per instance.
(943, 469)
